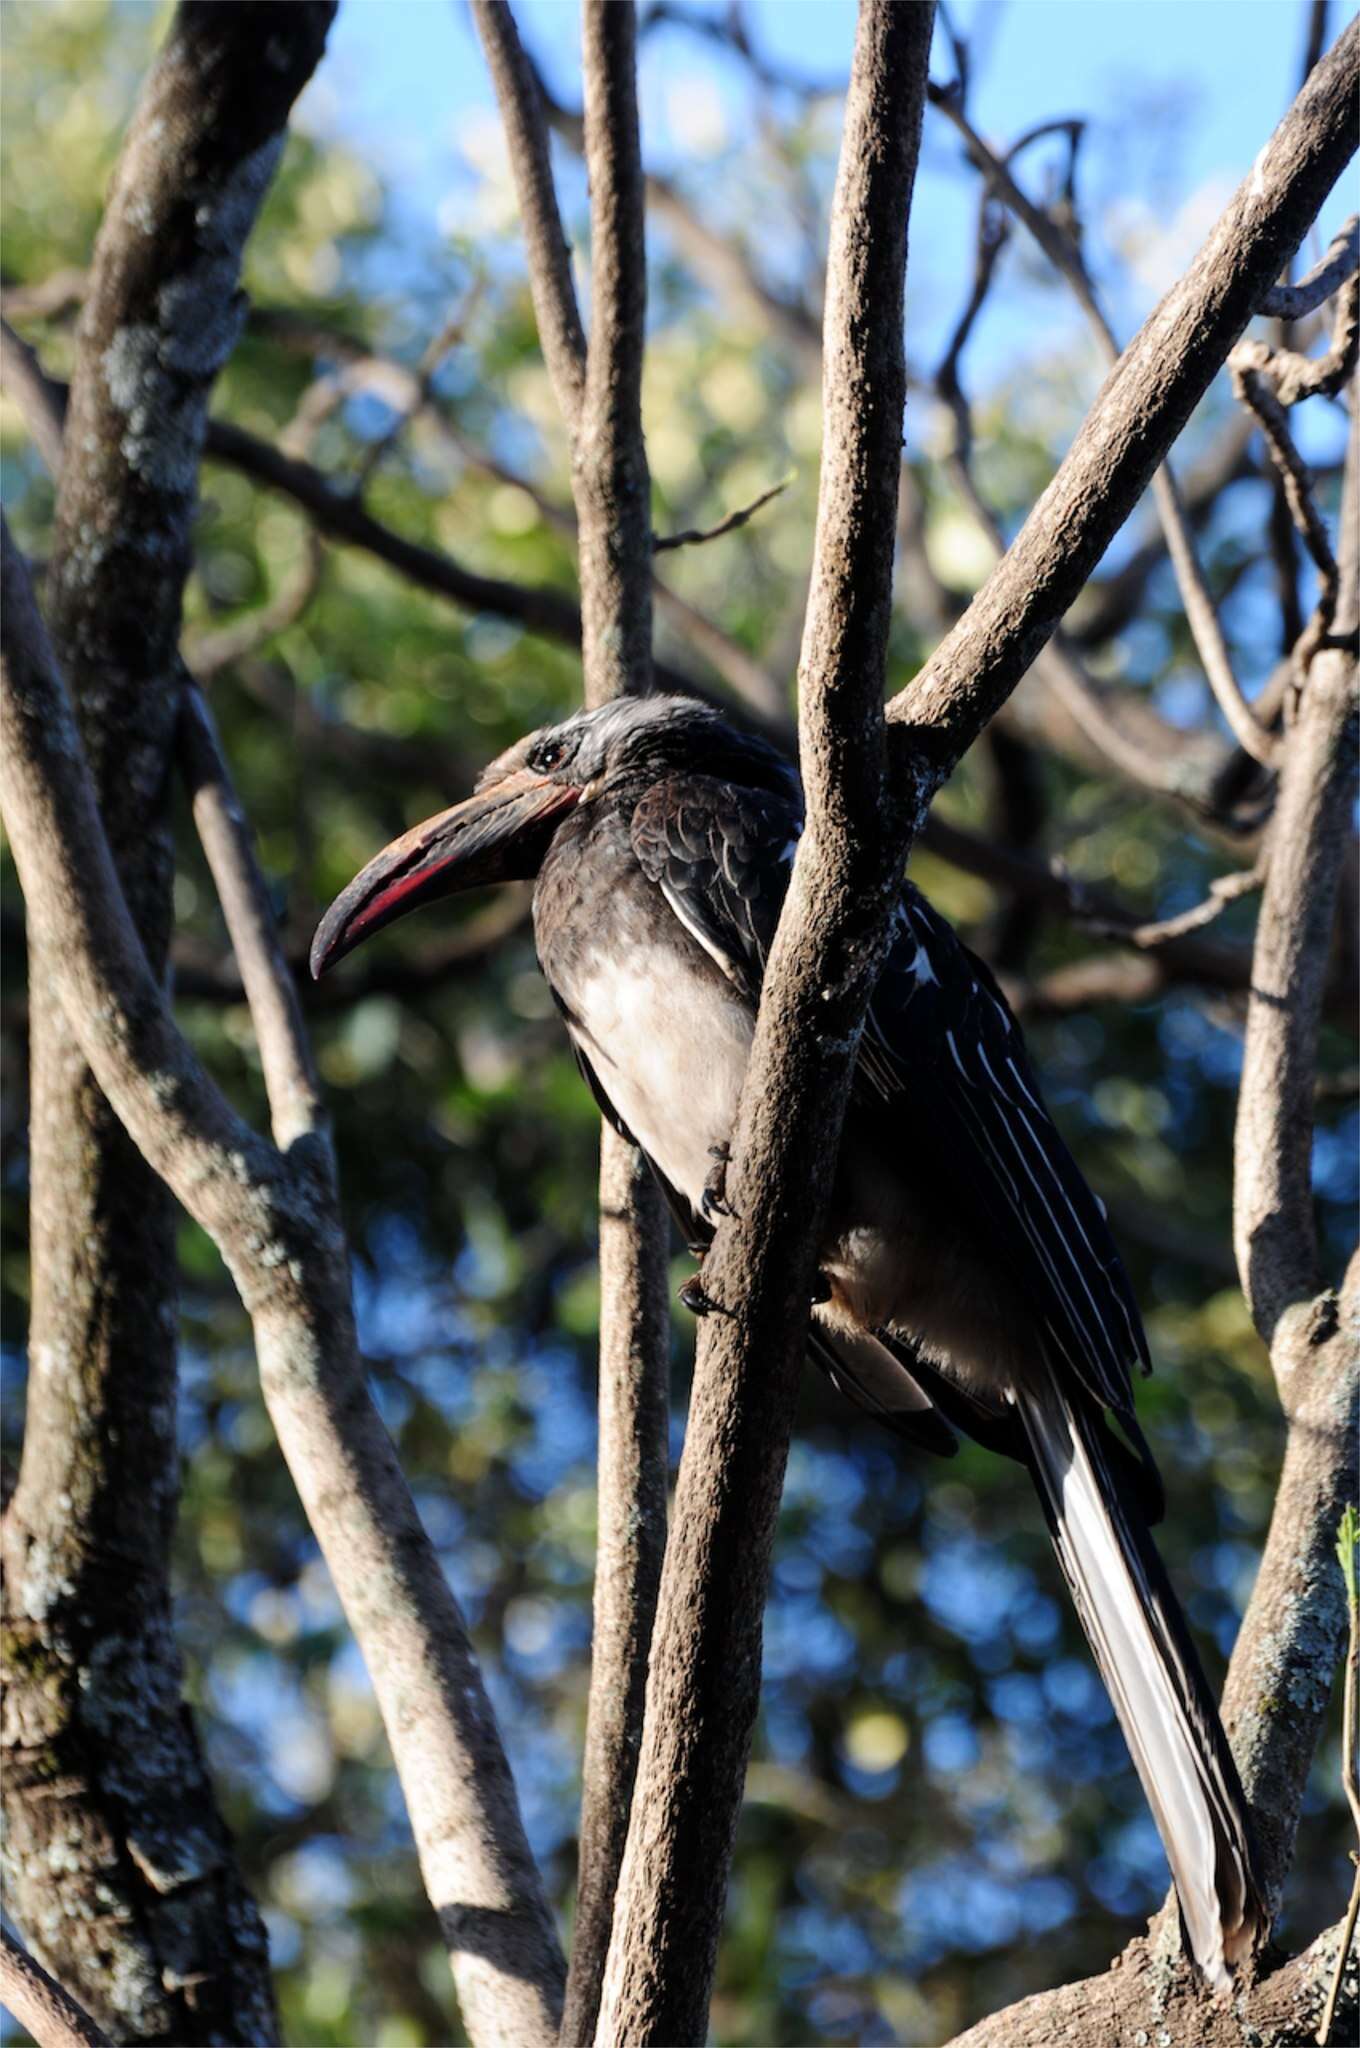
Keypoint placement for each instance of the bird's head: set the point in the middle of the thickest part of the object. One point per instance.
(502, 832)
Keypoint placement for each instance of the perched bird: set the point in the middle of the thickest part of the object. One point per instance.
(968, 1281)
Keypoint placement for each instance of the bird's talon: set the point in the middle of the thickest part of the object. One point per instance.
(713, 1200)
(693, 1297)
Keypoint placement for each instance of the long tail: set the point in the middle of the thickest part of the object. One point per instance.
(1140, 1640)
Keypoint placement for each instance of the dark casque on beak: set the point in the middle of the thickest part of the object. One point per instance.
(499, 835)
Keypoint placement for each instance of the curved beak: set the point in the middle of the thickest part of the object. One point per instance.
(499, 835)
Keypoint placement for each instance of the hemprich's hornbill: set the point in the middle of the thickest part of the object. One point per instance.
(968, 1277)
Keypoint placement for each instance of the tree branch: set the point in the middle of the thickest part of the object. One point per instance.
(599, 389)
(274, 1220)
(1062, 250)
(1273, 1220)
(40, 2005)
(130, 1880)
(285, 1056)
(1141, 408)
(1296, 301)
(704, 1677)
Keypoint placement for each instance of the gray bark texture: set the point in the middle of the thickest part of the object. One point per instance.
(598, 383)
(118, 1865)
(704, 1678)
(274, 1218)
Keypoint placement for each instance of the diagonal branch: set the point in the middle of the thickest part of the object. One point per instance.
(1141, 408)
(40, 2005)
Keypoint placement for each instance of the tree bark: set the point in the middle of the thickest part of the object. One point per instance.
(274, 1218)
(704, 1679)
(119, 1867)
(598, 384)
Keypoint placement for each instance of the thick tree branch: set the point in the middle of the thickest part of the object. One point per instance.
(274, 1220)
(704, 1678)
(128, 1885)
(1141, 408)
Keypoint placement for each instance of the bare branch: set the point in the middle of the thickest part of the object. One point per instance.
(273, 1219)
(1137, 415)
(599, 389)
(214, 649)
(1273, 1230)
(1140, 1994)
(35, 395)
(144, 1895)
(1342, 260)
(726, 268)
(610, 480)
(630, 1546)
(1294, 1630)
(1296, 484)
(693, 535)
(1224, 890)
(1061, 247)
(521, 97)
(285, 1055)
(704, 1677)
(40, 2005)
(1292, 376)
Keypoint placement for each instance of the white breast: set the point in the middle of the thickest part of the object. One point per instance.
(669, 1043)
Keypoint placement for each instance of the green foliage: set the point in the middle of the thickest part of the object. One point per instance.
(941, 1813)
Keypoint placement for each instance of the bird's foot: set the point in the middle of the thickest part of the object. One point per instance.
(700, 1303)
(713, 1200)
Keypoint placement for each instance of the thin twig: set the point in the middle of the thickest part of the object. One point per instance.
(692, 536)
(1060, 245)
(1295, 301)
(1224, 890)
(295, 1102)
(1293, 376)
(1251, 384)
(1136, 416)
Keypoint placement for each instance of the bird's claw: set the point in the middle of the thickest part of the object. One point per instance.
(713, 1200)
(693, 1297)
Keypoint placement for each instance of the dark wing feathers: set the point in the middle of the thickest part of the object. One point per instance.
(940, 1049)
(940, 1034)
(721, 857)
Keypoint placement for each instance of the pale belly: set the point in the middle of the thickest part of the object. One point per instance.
(670, 1047)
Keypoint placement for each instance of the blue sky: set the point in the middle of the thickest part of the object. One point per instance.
(1180, 95)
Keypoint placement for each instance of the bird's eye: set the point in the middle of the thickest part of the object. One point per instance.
(547, 755)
